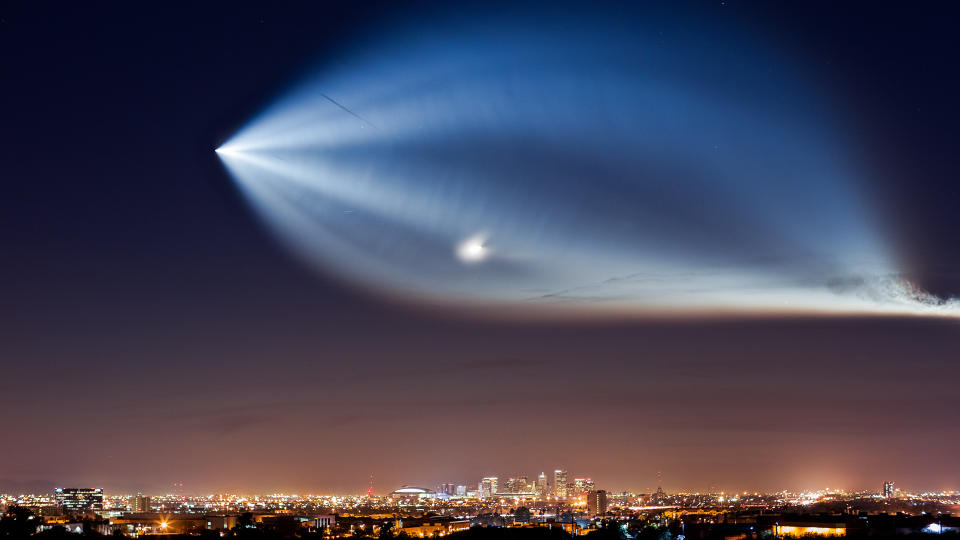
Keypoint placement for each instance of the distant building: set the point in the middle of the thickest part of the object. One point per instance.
(659, 497)
(597, 502)
(140, 503)
(560, 483)
(447, 489)
(327, 521)
(797, 529)
(431, 527)
(517, 485)
(461, 490)
(888, 490)
(488, 487)
(581, 486)
(80, 500)
(542, 484)
(413, 492)
(151, 523)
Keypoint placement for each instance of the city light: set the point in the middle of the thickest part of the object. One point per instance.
(419, 512)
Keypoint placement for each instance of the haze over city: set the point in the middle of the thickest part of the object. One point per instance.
(256, 249)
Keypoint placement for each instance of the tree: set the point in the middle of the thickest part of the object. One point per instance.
(607, 529)
(386, 531)
(245, 520)
(650, 532)
(18, 522)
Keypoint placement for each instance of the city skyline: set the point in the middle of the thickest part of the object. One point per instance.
(78, 496)
(250, 247)
(415, 512)
(502, 487)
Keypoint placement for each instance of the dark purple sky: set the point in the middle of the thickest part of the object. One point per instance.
(152, 332)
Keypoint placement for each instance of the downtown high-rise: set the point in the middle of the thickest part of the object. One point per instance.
(560, 483)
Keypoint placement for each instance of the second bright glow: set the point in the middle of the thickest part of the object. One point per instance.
(473, 250)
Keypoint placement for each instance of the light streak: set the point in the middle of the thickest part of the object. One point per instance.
(613, 176)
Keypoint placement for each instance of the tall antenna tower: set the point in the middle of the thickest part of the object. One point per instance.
(659, 496)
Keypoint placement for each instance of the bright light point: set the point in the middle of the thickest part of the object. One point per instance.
(472, 250)
(226, 151)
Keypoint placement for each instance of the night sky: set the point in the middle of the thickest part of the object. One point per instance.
(156, 327)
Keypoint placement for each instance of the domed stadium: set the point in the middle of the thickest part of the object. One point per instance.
(414, 492)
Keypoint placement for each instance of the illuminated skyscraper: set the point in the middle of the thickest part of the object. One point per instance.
(488, 487)
(80, 500)
(888, 489)
(542, 484)
(597, 502)
(519, 484)
(560, 483)
(658, 497)
(140, 503)
(581, 486)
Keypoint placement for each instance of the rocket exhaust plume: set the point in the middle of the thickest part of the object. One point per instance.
(583, 171)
